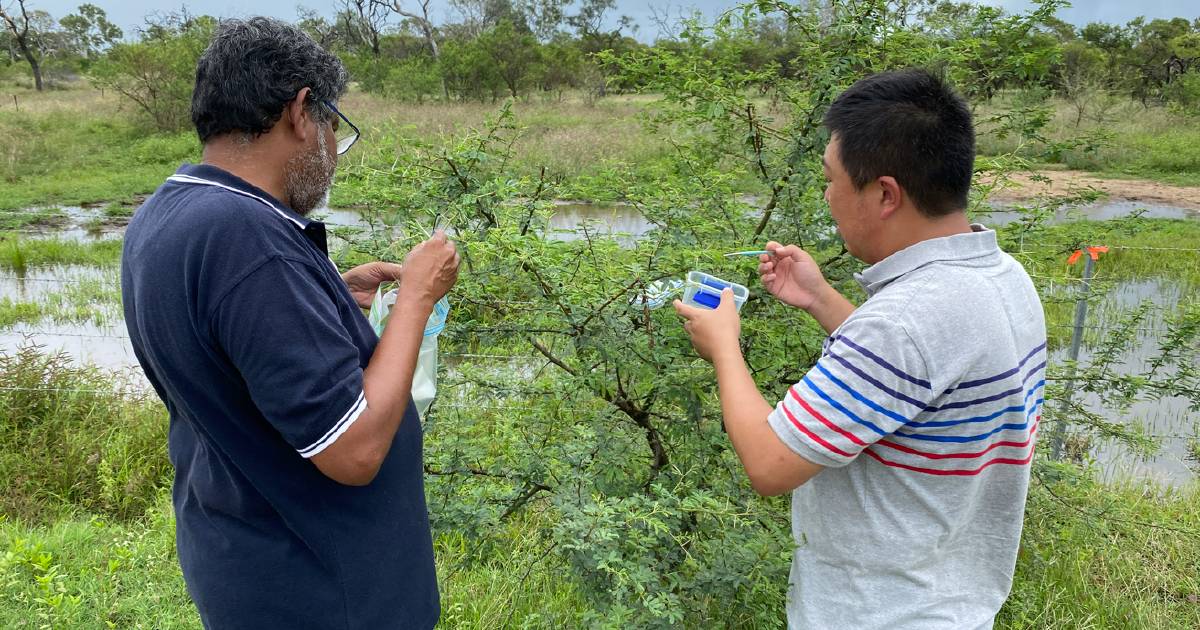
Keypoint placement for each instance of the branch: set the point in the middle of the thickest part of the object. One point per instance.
(609, 302)
(553, 359)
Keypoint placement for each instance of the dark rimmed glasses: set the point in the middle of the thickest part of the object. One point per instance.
(345, 137)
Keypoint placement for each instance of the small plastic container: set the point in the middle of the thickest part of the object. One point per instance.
(704, 291)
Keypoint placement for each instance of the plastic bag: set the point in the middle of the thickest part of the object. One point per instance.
(424, 384)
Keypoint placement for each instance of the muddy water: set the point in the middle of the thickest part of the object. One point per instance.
(1168, 420)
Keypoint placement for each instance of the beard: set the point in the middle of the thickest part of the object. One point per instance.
(309, 176)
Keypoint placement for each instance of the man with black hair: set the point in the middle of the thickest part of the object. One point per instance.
(298, 494)
(907, 446)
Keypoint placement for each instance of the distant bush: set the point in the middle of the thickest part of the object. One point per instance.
(157, 74)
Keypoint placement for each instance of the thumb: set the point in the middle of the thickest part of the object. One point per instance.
(685, 311)
(388, 271)
(727, 299)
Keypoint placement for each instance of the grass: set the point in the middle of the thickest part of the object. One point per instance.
(11, 220)
(1142, 143)
(1099, 556)
(73, 436)
(1044, 256)
(19, 253)
(76, 146)
(80, 300)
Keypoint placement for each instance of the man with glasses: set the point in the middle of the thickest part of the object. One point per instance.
(298, 493)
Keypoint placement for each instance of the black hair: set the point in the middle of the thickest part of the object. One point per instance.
(250, 71)
(910, 125)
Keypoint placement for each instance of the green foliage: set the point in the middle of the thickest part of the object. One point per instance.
(1184, 93)
(157, 74)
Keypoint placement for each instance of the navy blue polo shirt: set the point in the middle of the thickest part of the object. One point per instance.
(251, 338)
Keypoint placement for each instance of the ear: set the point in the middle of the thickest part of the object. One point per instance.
(297, 116)
(891, 196)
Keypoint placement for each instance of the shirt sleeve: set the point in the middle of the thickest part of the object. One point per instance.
(280, 328)
(870, 381)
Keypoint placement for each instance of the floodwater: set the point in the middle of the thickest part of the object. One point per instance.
(1167, 420)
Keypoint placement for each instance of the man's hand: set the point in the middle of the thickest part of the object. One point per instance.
(791, 275)
(713, 332)
(364, 280)
(430, 269)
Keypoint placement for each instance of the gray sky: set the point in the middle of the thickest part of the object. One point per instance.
(128, 14)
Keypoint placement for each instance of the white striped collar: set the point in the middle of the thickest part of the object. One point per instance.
(181, 178)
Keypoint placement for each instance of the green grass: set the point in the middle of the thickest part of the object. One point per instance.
(74, 147)
(1098, 556)
(18, 253)
(1132, 568)
(30, 217)
(1044, 256)
(83, 300)
(1143, 143)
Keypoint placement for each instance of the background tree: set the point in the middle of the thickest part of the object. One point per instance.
(29, 30)
(88, 33)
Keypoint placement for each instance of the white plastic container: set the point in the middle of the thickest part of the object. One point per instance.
(704, 291)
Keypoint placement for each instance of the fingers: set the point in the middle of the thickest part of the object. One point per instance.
(789, 251)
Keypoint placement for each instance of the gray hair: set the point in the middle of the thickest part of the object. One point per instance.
(252, 68)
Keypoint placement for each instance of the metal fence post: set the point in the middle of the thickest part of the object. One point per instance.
(1056, 443)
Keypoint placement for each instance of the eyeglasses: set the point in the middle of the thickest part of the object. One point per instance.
(345, 137)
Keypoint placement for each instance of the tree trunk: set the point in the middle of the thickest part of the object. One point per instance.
(33, 63)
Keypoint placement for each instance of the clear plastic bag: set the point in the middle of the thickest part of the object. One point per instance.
(424, 385)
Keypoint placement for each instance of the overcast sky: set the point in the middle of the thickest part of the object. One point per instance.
(128, 14)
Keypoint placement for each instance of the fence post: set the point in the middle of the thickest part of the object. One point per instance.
(1056, 443)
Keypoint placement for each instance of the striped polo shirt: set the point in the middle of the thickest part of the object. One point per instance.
(923, 409)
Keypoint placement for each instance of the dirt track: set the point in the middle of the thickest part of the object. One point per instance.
(1065, 182)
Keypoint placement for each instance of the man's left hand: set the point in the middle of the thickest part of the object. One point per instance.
(364, 280)
(713, 331)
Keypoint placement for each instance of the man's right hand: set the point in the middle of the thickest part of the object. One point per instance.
(791, 275)
(430, 269)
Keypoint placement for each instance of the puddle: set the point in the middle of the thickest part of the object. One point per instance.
(1168, 419)
(569, 220)
(77, 224)
(1099, 211)
(104, 346)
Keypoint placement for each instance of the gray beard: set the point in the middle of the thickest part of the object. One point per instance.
(309, 177)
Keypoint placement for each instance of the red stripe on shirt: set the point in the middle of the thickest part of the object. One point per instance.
(813, 412)
(961, 473)
(805, 430)
(928, 455)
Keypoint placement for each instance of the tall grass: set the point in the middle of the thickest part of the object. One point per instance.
(1099, 556)
(75, 439)
(18, 253)
(1140, 142)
